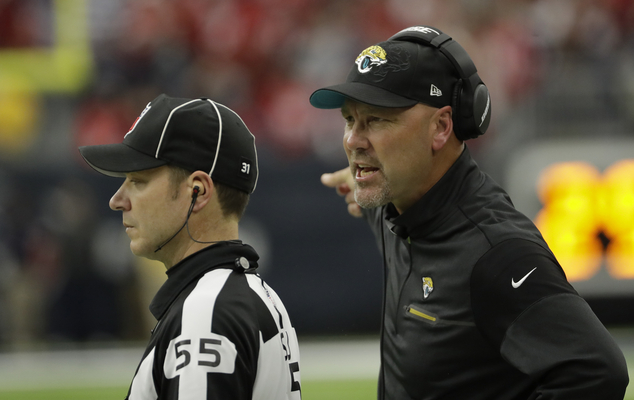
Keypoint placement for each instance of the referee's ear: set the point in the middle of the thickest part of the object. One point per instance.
(205, 186)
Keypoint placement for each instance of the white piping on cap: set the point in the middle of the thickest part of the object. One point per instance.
(213, 166)
(254, 148)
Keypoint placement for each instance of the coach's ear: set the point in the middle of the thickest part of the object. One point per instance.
(202, 181)
(442, 127)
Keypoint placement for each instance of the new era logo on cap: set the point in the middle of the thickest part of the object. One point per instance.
(194, 134)
(434, 91)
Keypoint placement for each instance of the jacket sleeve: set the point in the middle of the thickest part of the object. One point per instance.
(523, 304)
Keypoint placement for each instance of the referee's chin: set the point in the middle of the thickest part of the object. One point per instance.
(136, 250)
(141, 248)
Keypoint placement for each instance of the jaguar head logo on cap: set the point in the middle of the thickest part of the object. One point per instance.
(370, 57)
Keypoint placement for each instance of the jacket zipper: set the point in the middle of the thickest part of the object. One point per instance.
(421, 314)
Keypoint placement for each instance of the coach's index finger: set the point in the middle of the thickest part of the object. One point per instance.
(334, 179)
(343, 182)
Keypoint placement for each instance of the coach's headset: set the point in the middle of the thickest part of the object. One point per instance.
(471, 102)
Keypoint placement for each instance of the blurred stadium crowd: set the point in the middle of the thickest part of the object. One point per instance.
(66, 273)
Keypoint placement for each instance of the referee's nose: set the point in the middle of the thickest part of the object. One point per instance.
(118, 201)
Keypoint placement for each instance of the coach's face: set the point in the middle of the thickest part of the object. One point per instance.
(390, 152)
(152, 210)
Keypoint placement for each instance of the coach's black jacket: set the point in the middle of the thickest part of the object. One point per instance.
(477, 307)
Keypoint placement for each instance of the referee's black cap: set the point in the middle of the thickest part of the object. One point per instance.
(394, 74)
(194, 134)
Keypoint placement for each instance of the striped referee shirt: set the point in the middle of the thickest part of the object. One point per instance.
(222, 333)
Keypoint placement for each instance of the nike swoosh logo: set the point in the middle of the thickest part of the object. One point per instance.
(519, 283)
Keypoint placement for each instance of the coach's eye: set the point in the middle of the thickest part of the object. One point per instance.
(374, 119)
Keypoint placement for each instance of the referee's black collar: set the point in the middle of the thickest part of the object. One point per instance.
(191, 268)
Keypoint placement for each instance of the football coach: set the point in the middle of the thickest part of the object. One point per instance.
(475, 305)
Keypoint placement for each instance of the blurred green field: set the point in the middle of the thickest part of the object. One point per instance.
(104, 374)
(311, 390)
(355, 389)
(108, 393)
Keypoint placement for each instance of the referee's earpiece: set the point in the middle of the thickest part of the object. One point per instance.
(196, 191)
(471, 102)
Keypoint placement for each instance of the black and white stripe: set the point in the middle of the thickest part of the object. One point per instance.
(224, 335)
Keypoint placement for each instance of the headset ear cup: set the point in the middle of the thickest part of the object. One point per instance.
(470, 125)
(481, 109)
(455, 109)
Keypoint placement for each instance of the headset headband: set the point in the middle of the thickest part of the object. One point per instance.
(473, 99)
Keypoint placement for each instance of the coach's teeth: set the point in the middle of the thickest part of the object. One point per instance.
(365, 170)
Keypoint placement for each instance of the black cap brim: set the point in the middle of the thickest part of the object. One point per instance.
(117, 159)
(334, 96)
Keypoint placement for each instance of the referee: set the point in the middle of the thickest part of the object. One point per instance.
(222, 333)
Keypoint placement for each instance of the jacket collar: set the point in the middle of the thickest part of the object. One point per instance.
(223, 254)
(463, 177)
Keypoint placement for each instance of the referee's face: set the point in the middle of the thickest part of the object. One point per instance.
(153, 210)
(390, 153)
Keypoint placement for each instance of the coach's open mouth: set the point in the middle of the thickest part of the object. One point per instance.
(365, 171)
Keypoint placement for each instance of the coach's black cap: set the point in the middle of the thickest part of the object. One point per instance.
(194, 134)
(394, 73)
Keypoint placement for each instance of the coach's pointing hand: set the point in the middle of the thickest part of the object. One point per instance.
(343, 182)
